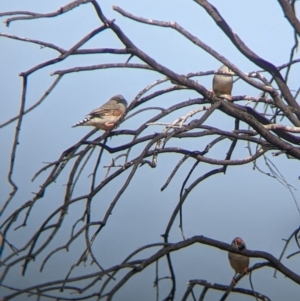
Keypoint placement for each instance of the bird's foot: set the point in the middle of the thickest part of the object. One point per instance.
(226, 96)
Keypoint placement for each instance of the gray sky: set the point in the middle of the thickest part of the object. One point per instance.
(242, 203)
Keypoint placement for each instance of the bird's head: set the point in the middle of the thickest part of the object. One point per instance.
(119, 99)
(224, 68)
(238, 243)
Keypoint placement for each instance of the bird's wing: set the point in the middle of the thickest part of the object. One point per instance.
(99, 112)
(107, 110)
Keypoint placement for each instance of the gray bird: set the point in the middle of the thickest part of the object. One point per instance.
(106, 117)
(222, 84)
(238, 262)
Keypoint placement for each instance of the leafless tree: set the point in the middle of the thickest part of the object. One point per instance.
(269, 123)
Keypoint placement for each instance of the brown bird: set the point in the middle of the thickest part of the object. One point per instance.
(238, 262)
(222, 84)
(106, 117)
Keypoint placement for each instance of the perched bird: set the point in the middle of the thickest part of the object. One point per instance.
(238, 262)
(222, 84)
(106, 117)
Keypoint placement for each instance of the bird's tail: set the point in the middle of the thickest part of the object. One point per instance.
(82, 122)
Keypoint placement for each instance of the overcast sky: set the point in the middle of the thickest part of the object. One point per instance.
(242, 203)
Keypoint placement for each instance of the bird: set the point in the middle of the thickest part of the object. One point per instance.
(238, 262)
(222, 84)
(106, 116)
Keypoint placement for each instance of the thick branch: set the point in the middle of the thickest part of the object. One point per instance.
(290, 15)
